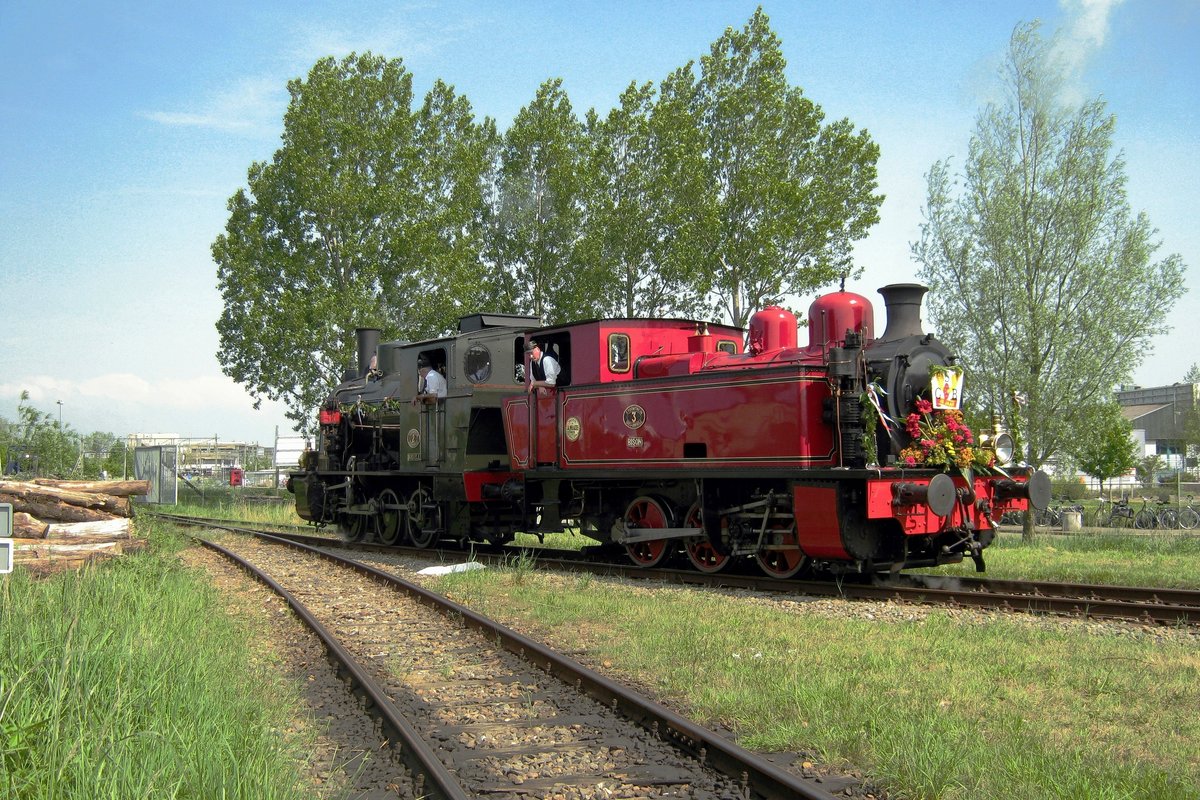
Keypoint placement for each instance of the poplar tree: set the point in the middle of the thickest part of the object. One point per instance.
(538, 215)
(786, 196)
(636, 202)
(1043, 280)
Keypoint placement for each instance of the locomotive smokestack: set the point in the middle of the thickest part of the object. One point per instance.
(368, 342)
(903, 304)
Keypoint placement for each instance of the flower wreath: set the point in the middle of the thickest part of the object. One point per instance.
(942, 439)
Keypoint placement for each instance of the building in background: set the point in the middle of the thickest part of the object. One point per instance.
(1159, 416)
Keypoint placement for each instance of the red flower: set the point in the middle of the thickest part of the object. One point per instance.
(924, 406)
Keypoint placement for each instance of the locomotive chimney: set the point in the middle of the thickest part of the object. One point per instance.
(903, 308)
(368, 342)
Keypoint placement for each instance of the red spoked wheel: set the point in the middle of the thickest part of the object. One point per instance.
(642, 513)
(700, 551)
(786, 561)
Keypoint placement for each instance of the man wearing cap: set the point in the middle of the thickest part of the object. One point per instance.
(432, 386)
(545, 368)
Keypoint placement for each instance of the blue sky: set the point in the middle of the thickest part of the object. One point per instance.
(125, 127)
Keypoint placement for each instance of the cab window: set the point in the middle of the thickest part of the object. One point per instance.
(618, 352)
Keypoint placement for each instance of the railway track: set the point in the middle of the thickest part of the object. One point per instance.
(1147, 605)
(481, 711)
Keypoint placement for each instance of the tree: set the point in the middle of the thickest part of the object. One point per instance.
(786, 196)
(95, 448)
(1042, 279)
(364, 215)
(538, 215)
(631, 211)
(1109, 450)
(1193, 374)
(37, 443)
(1147, 469)
(437, 256)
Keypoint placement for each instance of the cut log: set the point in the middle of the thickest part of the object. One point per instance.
(16, 491)
(44, 508)
(29, 527)
(117, 528)
(116, 488)
(41, 549)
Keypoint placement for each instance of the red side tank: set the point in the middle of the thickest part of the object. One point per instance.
(831, 315)
(773, 328)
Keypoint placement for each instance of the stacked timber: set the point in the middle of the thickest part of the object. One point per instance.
(64, 524)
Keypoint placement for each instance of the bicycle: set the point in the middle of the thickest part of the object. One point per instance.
(1189, 518)
(1167, 517)
(1052, 516)
(1114, 514)
(1146, 517)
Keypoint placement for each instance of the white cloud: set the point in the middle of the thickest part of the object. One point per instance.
(417, 40)
(126, 389)
(123, 402)
(1083, 33)
(253, 105)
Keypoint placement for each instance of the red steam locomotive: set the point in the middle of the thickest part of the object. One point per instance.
(667, 436)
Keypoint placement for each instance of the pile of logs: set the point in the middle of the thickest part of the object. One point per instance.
(63, 524)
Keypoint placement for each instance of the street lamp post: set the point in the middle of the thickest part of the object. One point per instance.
(60, 404)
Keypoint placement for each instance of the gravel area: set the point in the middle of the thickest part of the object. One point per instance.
(503, 726)
(349, 757)
(378, 781)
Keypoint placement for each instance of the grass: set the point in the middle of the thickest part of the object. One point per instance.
(114, 682)
(128, 680)
(236, 503)
(935, 704)
(1094, 556)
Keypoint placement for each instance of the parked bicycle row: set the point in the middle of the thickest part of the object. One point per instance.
(1151, 514)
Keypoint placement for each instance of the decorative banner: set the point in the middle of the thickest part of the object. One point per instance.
(946, 386)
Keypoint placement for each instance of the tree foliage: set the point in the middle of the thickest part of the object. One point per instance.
(37, 443)
(714, 195)
(637, 209)
(1042, 278)
(1109, 450)
(369, 215)
(786, 196)
(538, 215)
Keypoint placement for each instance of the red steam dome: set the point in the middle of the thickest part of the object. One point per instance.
(773, 328)
(831, 315)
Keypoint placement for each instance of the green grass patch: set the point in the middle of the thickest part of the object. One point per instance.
(129, 680)
(935, 704)
(237, 504)
(1161, 559)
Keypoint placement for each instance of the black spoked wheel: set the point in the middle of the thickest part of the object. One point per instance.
(1188, 518)
(390, 517)
(424, 518)
(355, 527)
